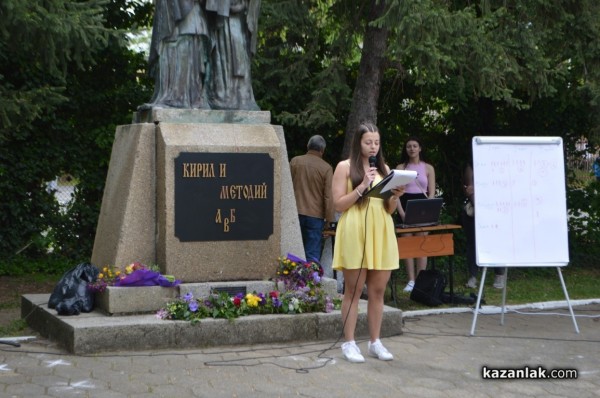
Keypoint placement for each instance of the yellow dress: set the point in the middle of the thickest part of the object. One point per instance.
(366, 237)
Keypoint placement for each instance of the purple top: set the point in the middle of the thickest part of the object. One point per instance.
(419, 185)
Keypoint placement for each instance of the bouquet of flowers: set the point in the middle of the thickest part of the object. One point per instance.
(297, 273)
(135, 274)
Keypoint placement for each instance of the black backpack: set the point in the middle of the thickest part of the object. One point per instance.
(429, 288)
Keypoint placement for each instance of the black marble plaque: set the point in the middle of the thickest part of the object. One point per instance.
(223, 196)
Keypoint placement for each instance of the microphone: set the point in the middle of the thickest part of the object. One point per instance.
(372, 163)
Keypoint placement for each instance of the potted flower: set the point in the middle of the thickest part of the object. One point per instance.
(299, 292)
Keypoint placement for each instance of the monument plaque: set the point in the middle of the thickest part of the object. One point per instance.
(223, 196)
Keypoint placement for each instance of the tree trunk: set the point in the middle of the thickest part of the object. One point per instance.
(368, 83)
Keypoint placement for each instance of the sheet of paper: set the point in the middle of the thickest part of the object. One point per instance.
(399, 177)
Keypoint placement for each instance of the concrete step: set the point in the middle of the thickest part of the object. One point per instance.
(97, 332)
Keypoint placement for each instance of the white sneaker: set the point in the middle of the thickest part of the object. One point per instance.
(352, 352)
(472, 283)
(377, 350)
(499, 282)
(409, 286)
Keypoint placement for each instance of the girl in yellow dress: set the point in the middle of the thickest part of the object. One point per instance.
(366, 250)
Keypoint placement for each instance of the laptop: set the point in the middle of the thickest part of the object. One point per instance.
(422, 213)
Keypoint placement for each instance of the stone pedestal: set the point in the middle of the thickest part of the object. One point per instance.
(134, 300)
(137, 218)
(91, 333)
(126, 230)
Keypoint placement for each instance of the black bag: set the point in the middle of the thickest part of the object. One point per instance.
(71, 295)
(429, 288)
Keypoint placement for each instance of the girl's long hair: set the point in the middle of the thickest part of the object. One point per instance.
(357, 171)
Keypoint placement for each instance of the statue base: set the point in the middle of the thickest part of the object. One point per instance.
(138, 215)
(176, 115)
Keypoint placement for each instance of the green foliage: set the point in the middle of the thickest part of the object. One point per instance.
(452, 70)
(462, 69)
(303, 70)
(515, 52)
(37, 42)
(584, 224)
(59, 116)
(25, 265)
(36, 46)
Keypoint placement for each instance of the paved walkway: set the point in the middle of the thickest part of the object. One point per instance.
(435, 357)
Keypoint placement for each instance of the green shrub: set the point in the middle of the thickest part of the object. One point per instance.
(49, 264)
(584, 224)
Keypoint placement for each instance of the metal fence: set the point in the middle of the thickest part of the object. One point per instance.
(63, 188)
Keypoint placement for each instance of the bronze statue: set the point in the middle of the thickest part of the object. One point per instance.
(179, 54)
(201, 52)
(234, 44)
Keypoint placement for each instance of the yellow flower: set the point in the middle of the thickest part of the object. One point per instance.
(252, 300)
(129, 269)
(100, 275)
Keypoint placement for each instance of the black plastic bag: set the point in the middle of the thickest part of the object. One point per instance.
(71, 295)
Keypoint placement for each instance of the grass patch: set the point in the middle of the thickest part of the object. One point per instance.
(14, 328)
(12, 288)
(525, 285)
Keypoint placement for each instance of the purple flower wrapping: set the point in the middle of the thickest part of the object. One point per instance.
(145, 277)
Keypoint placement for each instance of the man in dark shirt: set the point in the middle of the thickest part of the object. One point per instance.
(311, 177)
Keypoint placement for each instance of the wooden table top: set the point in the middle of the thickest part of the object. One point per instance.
(441, 227)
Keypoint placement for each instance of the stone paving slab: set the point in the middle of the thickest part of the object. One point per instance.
(434, 357)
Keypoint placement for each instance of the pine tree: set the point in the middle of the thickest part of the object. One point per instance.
(39, 40)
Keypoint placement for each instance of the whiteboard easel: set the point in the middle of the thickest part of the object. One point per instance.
(520, 207)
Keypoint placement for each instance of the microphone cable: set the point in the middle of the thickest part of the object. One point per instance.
(420, 187)
(422, 191)
(307, 369)
(358, 277)
(321, 355)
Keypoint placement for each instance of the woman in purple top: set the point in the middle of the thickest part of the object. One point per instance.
(422, 187)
